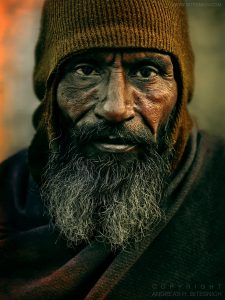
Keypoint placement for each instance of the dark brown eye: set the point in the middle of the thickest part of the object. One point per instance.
(145, 72)
(86, 71)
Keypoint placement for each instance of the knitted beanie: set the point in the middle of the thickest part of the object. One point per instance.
(70, 27)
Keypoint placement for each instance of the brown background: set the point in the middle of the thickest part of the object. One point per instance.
(19, 25)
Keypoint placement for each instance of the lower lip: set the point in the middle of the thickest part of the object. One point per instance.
(115, 148)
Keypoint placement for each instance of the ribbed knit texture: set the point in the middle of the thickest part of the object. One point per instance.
(70, 27)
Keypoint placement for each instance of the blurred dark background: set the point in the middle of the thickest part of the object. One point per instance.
(19, 25)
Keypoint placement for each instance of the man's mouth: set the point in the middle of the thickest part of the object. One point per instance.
(116, 148)
(114, 145)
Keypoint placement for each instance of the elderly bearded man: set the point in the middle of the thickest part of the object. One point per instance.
(119, 195)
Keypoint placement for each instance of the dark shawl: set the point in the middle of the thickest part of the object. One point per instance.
(185, 254)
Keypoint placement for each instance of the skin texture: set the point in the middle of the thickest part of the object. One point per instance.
(135, 88)
(107, 180)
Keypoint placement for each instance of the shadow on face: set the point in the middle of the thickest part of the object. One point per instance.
(134, 91)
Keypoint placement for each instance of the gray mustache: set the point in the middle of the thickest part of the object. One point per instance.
(103, 132)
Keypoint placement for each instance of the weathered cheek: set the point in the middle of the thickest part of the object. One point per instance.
(152, 114)
(166, 102)
(155, 108)
(78, 105)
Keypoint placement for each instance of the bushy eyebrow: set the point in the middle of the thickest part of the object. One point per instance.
(143, 61)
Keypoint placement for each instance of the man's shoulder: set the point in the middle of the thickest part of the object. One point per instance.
(210, 164)
(13, 163)
(13, 171)
(212, 138)
(213, 145)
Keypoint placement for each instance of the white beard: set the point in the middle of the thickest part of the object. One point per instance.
(117, 202)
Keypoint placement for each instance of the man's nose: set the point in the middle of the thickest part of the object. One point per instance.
(116, 104)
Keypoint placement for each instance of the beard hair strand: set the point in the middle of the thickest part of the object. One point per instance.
(107, 199)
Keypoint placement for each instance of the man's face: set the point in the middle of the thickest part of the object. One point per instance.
(133, 90)
(109, 177)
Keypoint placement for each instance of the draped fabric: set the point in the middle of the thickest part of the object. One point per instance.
(184, 252)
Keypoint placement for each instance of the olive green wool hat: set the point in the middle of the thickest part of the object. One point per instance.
(69, 27)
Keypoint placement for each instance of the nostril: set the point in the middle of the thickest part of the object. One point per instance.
(98, 115)
(113, 112)
(130, 117)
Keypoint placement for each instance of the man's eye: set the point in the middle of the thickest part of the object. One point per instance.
(86, 71)
(145, 72)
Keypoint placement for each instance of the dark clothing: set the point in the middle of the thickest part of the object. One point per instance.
(184, 256)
